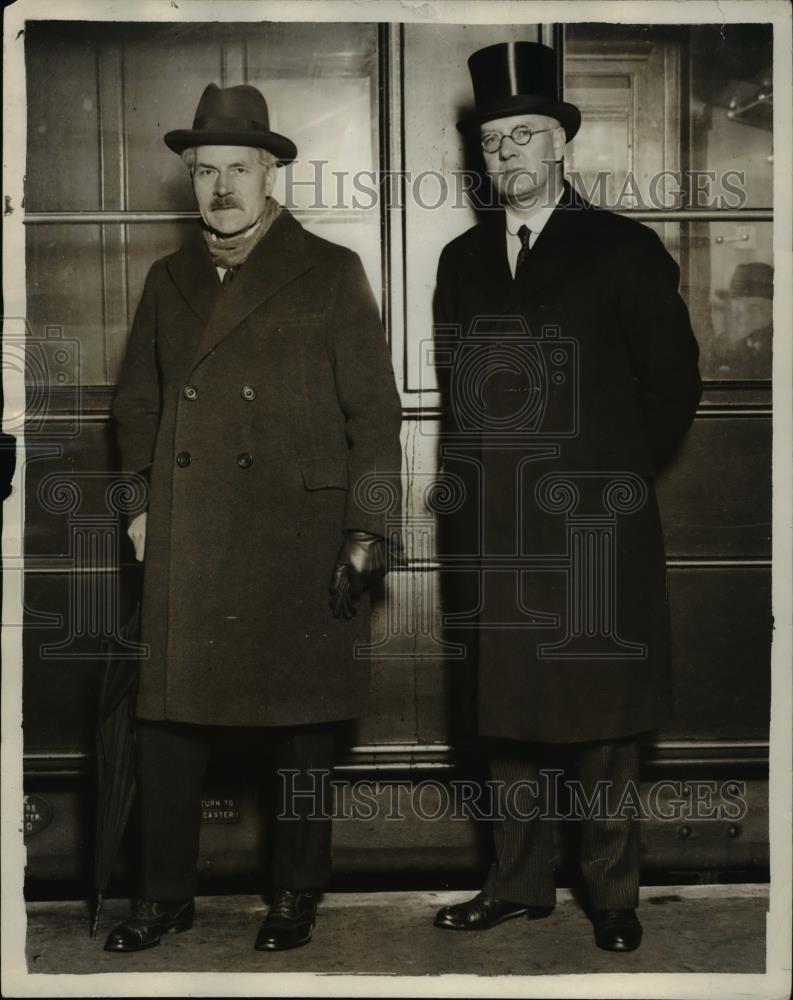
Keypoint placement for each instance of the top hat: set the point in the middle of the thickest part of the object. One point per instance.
(752, 280)
(519, 78)
(232, 116)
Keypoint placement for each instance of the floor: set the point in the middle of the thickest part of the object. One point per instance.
(686, 929)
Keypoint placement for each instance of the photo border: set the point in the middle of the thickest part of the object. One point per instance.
(16, 981)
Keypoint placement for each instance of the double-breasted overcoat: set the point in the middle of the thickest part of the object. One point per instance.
(266, 413)
(568, 387)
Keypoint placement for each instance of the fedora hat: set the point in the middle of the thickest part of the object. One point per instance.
(751, 280)
(232, 116)
(518, 78)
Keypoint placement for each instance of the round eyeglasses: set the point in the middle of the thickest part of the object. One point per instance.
(521, 135)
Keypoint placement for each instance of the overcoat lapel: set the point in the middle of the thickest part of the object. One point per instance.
(276, 260)
(554, 257)
(558, 252)
(487, 266)
(195, 276)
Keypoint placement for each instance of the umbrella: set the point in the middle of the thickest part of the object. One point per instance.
(115, 755)
(8, 461)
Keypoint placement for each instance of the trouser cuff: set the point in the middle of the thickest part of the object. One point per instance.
(164, 891)
(525, 892)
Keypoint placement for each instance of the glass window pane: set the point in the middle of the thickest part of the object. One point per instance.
(63, 120)
(166, 68)
(673, 116)
(335, 132)
(731, 106)
(624, 79)
(727, 283)
(320, 83)
(65, 293)
(122, 87)
(730, 295)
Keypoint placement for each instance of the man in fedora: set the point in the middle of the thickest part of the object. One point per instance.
(257, 396)
(570, 373)
(749, 299)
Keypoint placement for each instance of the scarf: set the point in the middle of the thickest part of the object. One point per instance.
(231, 251)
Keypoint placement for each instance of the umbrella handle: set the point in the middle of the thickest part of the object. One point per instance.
(97, 912)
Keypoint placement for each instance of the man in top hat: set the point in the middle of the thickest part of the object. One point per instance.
(750, 306)
(257, 396)
(573, 379)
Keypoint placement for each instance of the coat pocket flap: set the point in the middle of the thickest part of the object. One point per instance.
(322, 473)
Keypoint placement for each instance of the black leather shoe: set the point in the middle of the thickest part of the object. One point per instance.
(483, 912)
(147, 923)
(290, 921)
(617, 930)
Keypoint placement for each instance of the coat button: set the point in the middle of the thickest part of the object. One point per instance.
(245, 461)
(248, 392)
(190, 392)
(183, 459)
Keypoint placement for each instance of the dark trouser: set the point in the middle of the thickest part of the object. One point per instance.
(609, 847)
(172, 761)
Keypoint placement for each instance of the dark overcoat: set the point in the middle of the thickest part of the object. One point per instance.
(568, 388)
(259, 409)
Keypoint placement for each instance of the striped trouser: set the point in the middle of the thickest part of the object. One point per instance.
(523, 871)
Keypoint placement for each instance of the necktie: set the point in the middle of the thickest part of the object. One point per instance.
(228, 277)
(524, 233)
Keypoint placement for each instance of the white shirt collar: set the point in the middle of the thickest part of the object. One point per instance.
(535, 218)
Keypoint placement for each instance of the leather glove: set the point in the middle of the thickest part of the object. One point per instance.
(361, 561)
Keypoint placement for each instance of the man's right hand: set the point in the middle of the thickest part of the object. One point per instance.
(137, 532)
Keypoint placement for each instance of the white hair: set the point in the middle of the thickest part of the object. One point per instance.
(266, 158)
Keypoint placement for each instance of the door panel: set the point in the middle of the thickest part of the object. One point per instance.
(721, 629)
(715, 500)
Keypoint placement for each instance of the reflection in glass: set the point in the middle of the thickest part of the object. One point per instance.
(746, 320)
(602, 154)
(673, 116)
(731, 107)
(730, 295)
(319, 80)
(622, 77)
